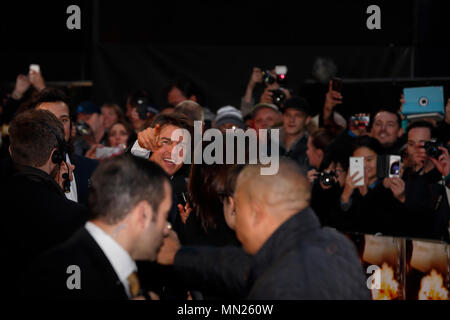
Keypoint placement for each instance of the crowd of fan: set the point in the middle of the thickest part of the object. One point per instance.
(232, 233)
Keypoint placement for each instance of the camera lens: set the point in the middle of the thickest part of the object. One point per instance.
(423, 101)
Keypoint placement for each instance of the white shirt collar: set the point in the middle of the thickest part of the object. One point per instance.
(119, 258)
(72, 195)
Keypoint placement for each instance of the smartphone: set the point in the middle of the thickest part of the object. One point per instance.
(35, 67)
(357, 164)
(394, 166)
(106, 152)
(336, 84)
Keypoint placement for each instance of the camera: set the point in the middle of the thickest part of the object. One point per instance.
(327, 178)
(279, 97)
(83, 128)
(280, 77)
(143, 107)
(267, 77)
(432, 148)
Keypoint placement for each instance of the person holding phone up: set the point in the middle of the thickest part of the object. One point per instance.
(368, 203)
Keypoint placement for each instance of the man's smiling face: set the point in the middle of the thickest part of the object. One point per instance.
(163, 155)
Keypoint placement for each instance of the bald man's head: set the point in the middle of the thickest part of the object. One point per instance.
(265, 202)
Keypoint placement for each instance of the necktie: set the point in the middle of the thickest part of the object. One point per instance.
(133, 282)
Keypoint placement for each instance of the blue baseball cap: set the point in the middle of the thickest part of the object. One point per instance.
(88, 107)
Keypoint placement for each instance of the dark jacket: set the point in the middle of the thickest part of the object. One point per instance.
(376, 212)
(84, 168)
(297, 152)
(427, 204)
(300, 260)
(325, 202)
(36, 215)
(49, 272)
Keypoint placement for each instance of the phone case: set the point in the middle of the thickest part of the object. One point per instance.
(394, 166)
(357, 164)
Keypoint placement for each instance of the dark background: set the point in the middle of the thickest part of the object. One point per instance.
(132, 44)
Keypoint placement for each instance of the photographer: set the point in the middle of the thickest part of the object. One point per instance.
(330, 181)
(317, 142)
(140, 110)
(90, 127)
(378, 205)
(273, 93)
(426, 196)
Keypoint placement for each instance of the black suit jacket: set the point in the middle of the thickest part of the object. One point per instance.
(36, 216)
(84, 167)
(49, 272)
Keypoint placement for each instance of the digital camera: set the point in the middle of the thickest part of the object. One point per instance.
(327, 178)
(432, 148)
(83, 128)
(279, 97)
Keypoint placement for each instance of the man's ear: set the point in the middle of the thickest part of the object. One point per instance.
(400, 133)
(232, 205)
(142, 214)
(10, 151)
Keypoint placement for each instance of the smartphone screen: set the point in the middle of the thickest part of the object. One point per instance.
(394, 166)
(357, 165)
(35, 67)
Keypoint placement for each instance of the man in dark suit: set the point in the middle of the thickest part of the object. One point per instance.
(55, 101)
(286, 254)
(129, 206)
(36, 212)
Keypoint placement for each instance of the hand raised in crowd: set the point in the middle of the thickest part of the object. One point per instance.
(22, 85)
(255, 78)
(332, 99)
(350, 186)
(184, 211)
(267, 96)
(63, 169)
(443, 162)
(402, 102)
(166, 254)
(397, 186)
(149, 138)
(37, 80)
(311, 175)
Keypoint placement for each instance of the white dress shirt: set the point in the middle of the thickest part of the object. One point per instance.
(140, 152)
(72, 195)
(119, 258)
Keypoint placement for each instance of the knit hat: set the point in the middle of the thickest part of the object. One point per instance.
(264, 105)
(229, 114)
